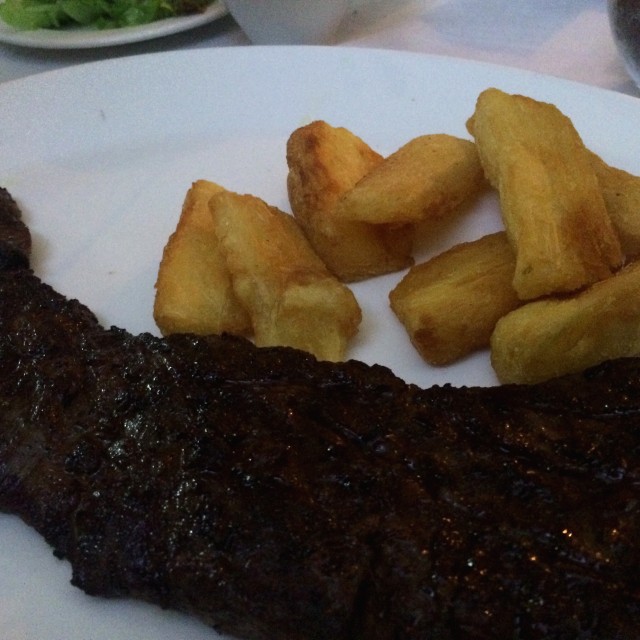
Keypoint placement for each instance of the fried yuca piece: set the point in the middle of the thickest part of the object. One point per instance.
(551, 337)
(429, 178)
(193, 288)
(551, 202)
(450, 304)
(324, 163)
(291, 297)
(621, 192)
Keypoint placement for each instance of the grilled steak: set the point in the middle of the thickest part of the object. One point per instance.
(278, 497)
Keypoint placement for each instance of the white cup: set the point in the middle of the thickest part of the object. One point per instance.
(289, 21)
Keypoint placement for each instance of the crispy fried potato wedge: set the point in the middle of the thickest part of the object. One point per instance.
(431, 177)
(621, 192)
(324, 163)
(193, 288)
(291, 297)
(551, 337)
(551, 202)
(450, 304)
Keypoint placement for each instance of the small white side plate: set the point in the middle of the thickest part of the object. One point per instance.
(82, 38)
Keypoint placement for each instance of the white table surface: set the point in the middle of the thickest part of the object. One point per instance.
(566, 38)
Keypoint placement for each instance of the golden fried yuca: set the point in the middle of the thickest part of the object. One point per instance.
(429, 178)
(193, 289)
(324, 163)
(290, 295)
(551, 202)
(450, 304)
(621, 192)
(551, 337)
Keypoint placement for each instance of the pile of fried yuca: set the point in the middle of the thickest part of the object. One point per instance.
(555, 292)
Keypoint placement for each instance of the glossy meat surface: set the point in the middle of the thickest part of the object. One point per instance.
(281, 498)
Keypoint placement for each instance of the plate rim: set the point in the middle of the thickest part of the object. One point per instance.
(346, 51)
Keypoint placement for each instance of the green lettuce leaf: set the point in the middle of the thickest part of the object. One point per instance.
(26, 15)
(99, 14)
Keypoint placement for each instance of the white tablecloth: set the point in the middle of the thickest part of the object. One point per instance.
(566, 38)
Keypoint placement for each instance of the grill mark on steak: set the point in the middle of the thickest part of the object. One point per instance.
(278, 497)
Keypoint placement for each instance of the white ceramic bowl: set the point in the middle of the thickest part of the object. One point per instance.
(624, 16)
(289, 21)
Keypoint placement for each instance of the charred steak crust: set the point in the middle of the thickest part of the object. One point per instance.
(15, 239)
(278, 497)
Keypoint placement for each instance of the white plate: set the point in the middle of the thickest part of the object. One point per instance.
(100, 157)
(82, 38)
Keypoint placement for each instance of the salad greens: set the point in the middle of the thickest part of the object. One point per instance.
(99, 14)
